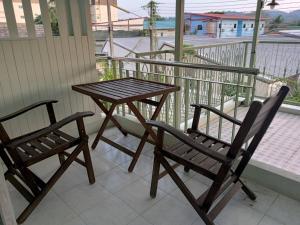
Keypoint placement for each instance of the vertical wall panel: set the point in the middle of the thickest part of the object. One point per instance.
(10, 18)
(34, 69)
(45, 18)
(29, 18)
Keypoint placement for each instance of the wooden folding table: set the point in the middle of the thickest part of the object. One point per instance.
(126, 91)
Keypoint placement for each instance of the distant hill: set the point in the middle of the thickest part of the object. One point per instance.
(291, 17)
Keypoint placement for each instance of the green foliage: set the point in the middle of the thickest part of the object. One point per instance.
(154, 16)
(275, 23)
(229, 90)
(217, 12)
(294, 94)
(53, 19)
(107, 72)
(188, 50)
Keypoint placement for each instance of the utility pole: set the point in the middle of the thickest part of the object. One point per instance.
(259, 6)
(152, 11)
(110, 29)
(152, 29)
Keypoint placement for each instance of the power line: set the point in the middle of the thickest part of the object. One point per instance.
(226, 8)
(249, 4)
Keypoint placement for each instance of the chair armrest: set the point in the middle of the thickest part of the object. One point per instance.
(218, 112)
(26, 109)
(51, 128)
(190, 141)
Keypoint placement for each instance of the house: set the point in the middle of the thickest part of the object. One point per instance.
(99, 11)
(131, 24)
(221, 25)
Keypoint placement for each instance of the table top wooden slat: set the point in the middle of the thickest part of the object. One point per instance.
(124, 90)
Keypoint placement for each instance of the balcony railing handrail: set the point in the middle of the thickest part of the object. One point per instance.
(252, 71)
(275, 42)
(188, 48)
(214, 45)
(197, 79)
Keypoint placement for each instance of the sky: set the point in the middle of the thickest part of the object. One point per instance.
(167, 7)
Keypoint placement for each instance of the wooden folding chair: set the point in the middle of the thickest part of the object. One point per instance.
(213, 158)
(18, 154)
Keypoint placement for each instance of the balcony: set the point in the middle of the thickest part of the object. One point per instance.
(45, 66)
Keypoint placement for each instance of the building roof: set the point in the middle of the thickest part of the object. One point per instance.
(225, 16)
(162, 24)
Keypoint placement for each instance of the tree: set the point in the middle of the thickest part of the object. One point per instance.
(275, 23)
(53, 18)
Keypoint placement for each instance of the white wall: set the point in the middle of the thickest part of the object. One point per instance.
(38, 68)
(99, 13)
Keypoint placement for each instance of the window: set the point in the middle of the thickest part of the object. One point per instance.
(220, 25)
(199, 27)
(20, 6)
(262, 25)
(252, 25)
(234, 25)
(244, 25)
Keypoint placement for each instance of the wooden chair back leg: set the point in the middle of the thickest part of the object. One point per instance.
(155, 174)
(88, 163)
(29, 209)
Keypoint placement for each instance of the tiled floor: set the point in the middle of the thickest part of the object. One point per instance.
(280, 146)
(122, 198)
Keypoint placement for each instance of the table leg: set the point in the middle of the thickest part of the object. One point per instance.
(103, 108)
(105, 122)
(147, 131)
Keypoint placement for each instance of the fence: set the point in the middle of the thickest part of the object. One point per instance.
(274, 59)
(213, 92)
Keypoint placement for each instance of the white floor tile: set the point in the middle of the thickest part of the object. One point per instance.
(139, 221)
(116, 156)
(285, 210)
(84, 196)
(116, 179)
(238, 214)
(51, 211)
(111, 211)
(72, 177)
(166, 183)
(194, 186)
(170, 211)
(137, 196)
(46, 167)
(270, 221)
(265, 197)
(143, 166)
(75, 221)
(100, 165)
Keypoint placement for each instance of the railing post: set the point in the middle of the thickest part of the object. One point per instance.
(138, 76)
(259, 7)
(186, 102)
(178, 55)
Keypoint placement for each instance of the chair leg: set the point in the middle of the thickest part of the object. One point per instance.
(155, 174)
(61, 158)
(186, 192)
(248, 191)
(29, 209)
(186, 169)
(88, 164)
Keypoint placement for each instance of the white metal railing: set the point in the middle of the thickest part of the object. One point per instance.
(214, 89)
